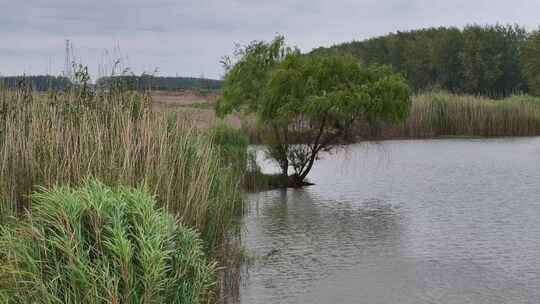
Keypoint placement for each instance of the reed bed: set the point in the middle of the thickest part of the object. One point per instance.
(444, 114)
(113, 136)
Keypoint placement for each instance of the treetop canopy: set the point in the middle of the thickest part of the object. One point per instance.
(279, 83)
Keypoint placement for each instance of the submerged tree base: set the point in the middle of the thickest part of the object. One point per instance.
(257, 181)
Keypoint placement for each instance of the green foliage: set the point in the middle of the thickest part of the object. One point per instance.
(531, 62)
(97, 244)
(491, 63)
(232, 143)
(318, 98)
(476, 60)
(245, 79)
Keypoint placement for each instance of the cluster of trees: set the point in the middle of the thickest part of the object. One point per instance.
(145, 82)
(489, 60)
(38, 83)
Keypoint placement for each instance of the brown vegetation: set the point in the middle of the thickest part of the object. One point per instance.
(192, 106)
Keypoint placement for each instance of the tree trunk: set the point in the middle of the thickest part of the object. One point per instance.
(298, 179)
(303, 175)
(284, 164)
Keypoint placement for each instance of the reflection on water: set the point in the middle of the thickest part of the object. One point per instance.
(440, 221)
(298, 244)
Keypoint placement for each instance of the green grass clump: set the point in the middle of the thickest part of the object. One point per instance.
(96, 244)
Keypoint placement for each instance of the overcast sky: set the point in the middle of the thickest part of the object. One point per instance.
(188, 38)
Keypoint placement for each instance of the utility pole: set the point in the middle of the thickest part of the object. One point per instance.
(67, 64)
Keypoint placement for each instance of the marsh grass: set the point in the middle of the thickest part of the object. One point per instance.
(440, 114)
(96, 244)
(63, 138)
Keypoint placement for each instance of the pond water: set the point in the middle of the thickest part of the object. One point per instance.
(419, 221)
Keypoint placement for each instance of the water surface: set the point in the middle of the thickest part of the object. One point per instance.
(423, 221)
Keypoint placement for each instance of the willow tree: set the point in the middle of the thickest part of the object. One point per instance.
(309, 104)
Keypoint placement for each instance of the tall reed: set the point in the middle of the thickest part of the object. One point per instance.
(442, 114)
(113, 136)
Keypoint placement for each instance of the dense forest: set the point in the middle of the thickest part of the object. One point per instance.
(38, 83)
(488, 60)
(145, 82)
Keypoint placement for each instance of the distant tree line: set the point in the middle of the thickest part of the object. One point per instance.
(146, 82)
(142, 82)
(38, 83)
(488, 60)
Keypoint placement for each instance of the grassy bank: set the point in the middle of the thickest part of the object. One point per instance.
(113, 136)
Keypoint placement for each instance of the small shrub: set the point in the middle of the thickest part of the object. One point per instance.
(97, 244)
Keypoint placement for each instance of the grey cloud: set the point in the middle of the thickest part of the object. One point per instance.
(189, 37)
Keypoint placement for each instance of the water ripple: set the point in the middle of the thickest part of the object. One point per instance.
(438, 221)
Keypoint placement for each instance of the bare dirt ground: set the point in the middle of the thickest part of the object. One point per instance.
(195, 107)
(182, 98)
